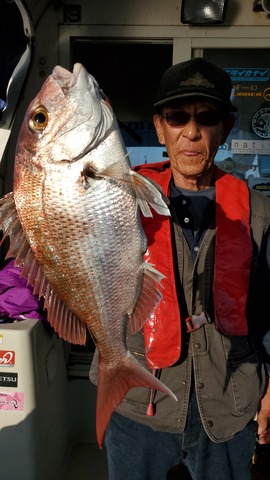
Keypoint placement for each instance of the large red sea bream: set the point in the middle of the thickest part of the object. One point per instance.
(74, 225)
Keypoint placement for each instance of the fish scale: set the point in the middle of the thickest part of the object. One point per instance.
(74, 225)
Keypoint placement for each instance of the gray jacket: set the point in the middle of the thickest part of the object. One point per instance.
(228, 373)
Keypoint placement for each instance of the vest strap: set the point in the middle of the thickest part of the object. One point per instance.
(197, 321)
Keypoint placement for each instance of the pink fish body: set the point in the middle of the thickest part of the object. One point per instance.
(74, 224)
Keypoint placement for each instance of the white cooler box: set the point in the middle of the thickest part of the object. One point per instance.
(33, 402)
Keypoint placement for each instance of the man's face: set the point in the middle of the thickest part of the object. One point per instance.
(192, 147)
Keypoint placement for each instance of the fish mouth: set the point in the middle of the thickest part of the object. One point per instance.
(77, 78)
(93, 114)
(65, 78)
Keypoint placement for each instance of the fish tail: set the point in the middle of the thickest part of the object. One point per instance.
(114, 385)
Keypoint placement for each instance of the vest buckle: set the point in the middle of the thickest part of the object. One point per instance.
(193, 322)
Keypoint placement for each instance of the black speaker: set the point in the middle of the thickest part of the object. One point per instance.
(266, 5)
(203, 12)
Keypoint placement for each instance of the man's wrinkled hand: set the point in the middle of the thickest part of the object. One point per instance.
(263, 418)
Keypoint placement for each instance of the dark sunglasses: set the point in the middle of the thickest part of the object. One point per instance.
(179, 118)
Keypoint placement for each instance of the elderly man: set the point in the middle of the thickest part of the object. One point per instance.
(208, 339)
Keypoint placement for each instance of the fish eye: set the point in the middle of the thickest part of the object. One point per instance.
(38, 120)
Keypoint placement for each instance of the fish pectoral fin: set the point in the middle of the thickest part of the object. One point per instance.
(113, 385)
(149, 194)
(149, 297)
(89, 171)
(115, 171)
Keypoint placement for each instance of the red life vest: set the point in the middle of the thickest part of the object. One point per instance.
(233, 255)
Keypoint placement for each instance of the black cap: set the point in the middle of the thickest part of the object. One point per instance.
(196, 78)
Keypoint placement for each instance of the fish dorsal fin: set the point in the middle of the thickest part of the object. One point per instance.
(148, 300)
(63, 321)
(9, 220)
(149, 193)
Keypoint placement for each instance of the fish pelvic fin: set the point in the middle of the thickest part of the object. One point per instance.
(114, 384)
(149, 194)
(149, 298)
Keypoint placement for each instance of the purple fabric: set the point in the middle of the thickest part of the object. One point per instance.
(16, 298)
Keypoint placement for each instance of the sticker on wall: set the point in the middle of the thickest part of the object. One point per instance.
(249, 74)
(250, 147)
(260, 184)
(228, 165)
(266, 94)
(12, 402)
(8, 379)
(7, 358)
(261, 123)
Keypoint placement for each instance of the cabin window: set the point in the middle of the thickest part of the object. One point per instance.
(246, 153)
(129, 73)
